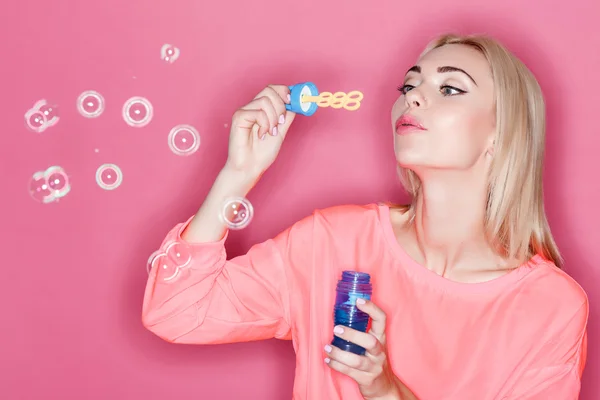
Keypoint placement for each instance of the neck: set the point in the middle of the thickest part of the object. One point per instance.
(449, 220)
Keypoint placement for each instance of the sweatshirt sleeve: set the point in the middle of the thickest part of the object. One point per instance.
(556, 374)
(195, 295)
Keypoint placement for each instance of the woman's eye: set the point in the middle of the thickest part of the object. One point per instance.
(450, 90)
(405, 88)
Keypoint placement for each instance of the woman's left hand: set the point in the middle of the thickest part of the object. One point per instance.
(372, 372)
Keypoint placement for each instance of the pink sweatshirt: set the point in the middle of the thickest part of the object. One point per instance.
(520, 336)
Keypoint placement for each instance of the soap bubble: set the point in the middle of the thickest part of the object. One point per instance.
(237, 213)
(168, 269)
(49, 185)
(109, 176)
(41, 116)
(39, 189)
(184, 140)
(137, 112)
(180, 254)
(35, 120)
(58, 182)
(172, 261)
(50, 112)
(90, 104)
(169, 53)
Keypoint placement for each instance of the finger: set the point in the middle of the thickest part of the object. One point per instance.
(358, 376)
(345, 357)
(274, 93)
(264, 103)
(365, 340)
(378, 317)
(282, 93)
(247, 119)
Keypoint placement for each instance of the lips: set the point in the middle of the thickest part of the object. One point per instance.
(408, 123)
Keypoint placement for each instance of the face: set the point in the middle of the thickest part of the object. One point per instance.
(454, 108)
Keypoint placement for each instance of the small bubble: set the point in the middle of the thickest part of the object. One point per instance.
(169, 53)
(109, 176)
(96, 151)
(57, 181)
(50, 112)
(35, 120)
(237, 213)
(184, 140)
(179, 254)
(49, 185)
(41, 116)
(225, 125)
(137, 112)
(39, 189)
(168, 269)
(90, 104)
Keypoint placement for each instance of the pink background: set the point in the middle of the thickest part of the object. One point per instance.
(74, 271)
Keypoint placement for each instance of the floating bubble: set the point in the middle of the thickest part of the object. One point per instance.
(184, 140)
(237, 213)
(109, 176)
(171, 262)
(90, 104)
(169, 53)
(168, 269)
(50, 112)
(137, 112)
(41, 116)
(49, 185)
(58, 182)
(39, 189)
(35, 120)
(180, 254)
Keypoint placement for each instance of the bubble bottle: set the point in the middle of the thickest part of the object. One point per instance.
(351, 286)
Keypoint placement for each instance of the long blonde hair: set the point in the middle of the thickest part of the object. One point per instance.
(515, 222)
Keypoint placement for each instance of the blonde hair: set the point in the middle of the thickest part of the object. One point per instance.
(515, 222)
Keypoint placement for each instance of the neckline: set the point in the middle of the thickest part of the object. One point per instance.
(445, 283)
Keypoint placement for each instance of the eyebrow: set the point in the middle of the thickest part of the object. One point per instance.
(446, 68)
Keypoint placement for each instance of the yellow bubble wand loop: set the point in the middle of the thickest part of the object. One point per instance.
(349, 101)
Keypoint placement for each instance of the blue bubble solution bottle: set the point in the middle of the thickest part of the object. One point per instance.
(351, 286)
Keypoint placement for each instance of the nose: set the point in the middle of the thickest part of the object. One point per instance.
(414, 98)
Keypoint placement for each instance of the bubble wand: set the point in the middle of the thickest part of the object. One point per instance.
(305, 99)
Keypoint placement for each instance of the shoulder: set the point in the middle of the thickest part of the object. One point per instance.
(340, 220)
(552, 292)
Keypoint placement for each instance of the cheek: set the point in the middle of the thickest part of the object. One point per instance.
(458, 129)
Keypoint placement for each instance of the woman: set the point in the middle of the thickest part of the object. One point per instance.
(469, 299)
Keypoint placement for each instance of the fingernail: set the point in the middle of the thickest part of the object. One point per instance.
(327, 360)
(338, 329)
(281, 119)
(360, 301)
(327, 348)
(275, 131)
(289, 98)
(263, 136)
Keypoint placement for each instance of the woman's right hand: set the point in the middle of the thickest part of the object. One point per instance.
(258, 130)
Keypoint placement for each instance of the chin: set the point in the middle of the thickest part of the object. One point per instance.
(409, 159)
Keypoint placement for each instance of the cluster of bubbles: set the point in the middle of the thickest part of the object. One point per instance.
(174, 260)
(49, 185)
(176, 257)
(52, 184)
(41, 116)
(183, 140)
